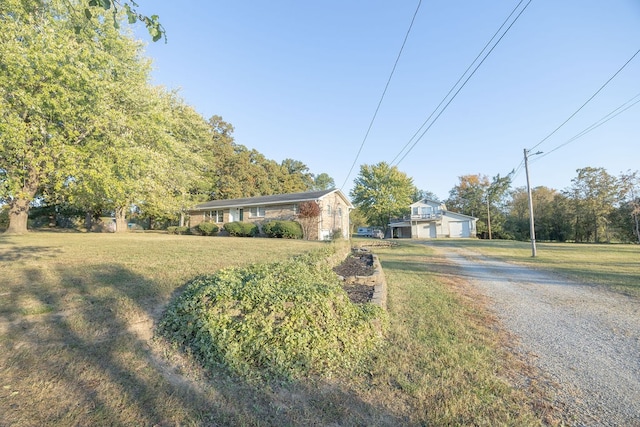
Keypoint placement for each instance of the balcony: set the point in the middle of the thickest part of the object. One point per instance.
(428, 216)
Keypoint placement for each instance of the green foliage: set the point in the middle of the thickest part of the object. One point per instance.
(280, 320)
(178, 230)
(283, 229)
(208, 228)
(241, 229)
(4, 217)
(382, 192)
(154, 27)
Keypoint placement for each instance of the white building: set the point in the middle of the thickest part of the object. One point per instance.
(431, 220)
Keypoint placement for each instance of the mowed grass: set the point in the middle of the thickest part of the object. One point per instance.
(615, 266)
(76, 322)
(76, 315)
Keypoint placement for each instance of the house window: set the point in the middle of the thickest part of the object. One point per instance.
(216, 216)
(415, 211)
(296, 211)
(328, 209)
(257, 212)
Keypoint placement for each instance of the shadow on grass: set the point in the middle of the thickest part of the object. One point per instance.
(20, 253)
(89, 360)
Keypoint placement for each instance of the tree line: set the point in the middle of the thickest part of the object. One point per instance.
(84, 132)
(596, 207)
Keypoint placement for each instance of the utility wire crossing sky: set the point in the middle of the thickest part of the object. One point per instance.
(303, 80)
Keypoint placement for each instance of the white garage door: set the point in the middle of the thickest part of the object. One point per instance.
(455, 229)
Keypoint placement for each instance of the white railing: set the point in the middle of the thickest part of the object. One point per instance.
(426, 216)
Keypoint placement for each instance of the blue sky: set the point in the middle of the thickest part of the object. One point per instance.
(302, 80)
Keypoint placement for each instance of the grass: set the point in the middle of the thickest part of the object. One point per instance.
(77, 312)
(615, 266)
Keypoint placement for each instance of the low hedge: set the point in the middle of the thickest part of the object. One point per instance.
(280, 320)
(283, 229)
(208, 228)
(178, 230)
(241, 229)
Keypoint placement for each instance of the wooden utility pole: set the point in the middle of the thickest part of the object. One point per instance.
(488, 216)
(532, 229)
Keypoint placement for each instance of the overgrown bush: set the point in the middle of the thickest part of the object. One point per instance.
(283, 229)
(280, 320)
(208, 228)
(241, 229)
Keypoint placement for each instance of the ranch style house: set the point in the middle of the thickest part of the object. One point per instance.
(333, 218)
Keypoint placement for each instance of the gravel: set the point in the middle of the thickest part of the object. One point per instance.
(585, 338)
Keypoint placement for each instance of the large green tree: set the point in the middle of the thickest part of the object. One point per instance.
(52, 88)
(322, 182)
(496, 199)
(382, 192)
(626, 218)
(593, 193)
(469, 197)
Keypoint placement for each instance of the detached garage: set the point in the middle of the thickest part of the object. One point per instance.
(431, 220)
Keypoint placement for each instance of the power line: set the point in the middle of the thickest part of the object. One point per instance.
(463, 84)
(587, 101)
(619, 110)
(383, 94)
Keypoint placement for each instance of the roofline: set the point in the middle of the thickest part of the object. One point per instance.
(246, 201)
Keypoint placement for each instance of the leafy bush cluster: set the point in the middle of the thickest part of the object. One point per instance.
(241, 229)
(178, 230)
(208, 228)
(280, 320)
(283, 229)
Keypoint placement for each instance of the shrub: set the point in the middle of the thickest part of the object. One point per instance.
(241, 229)
(208, 228)
(283, 229)
(280, 320)
(178, 230)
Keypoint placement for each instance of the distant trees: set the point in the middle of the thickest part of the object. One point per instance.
(594, 193)
(382, 192)
(597, 207)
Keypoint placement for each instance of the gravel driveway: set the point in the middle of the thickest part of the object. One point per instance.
(584, 338)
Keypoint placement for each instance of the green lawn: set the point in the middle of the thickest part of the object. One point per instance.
(76, 322)
(616, 266)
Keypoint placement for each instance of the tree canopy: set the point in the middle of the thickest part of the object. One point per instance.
(382, 192)
(81, 126)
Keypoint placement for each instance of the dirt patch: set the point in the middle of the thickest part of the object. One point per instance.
(355, 265)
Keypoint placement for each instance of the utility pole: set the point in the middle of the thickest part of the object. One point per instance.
(531, 225)
(488, 216)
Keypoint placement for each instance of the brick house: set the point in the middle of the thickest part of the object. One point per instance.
(334, 208)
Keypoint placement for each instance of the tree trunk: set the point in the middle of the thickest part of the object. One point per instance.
(88, 220)
(121, 220)
(18, 216)
(19, 207)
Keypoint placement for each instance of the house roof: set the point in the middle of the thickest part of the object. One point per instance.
(274, 199)
(428, 202)
(459, 215)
